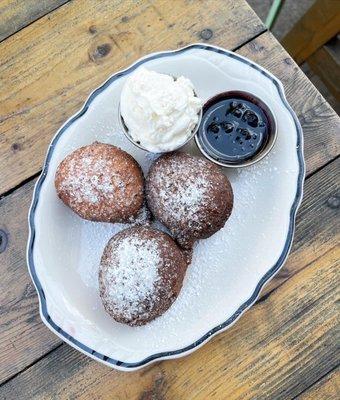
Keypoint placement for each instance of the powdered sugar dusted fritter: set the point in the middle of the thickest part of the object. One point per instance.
(189, 195)
(141, 274)
(101, 182)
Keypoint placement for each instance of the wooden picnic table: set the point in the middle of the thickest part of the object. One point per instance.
(53, 53)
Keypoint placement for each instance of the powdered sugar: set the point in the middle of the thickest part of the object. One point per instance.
(131, 279)
(182, 201)
(142, 218)
(189, 198)
(93, 239)
(89, 179)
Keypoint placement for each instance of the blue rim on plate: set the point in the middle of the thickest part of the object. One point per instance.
(168, 354)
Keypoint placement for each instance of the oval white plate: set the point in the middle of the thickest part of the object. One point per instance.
(228, 270)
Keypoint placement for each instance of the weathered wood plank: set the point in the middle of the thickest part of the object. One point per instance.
(16, 14)
(316, 234)
(48, 69)
(320, 123)
(320, 23)
(282, 345)
(325, 63)
(316, 228)
(23, 337)
(328, 388)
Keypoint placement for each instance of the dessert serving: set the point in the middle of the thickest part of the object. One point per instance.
(142, 269)
(146, 239)
(141, 274)
(100, 182)
(189, 195)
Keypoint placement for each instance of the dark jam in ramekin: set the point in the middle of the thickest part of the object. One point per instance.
(236, 127)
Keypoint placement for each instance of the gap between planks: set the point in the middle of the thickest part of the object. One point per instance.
(28, 366)
(22, 25)
(307, 389)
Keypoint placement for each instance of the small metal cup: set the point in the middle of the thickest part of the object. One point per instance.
(209, 154)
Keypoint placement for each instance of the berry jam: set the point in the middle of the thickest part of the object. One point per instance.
(235, 127)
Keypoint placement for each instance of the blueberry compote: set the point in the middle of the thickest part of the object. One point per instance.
(234, 128)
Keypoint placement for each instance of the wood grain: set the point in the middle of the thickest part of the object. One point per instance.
(48, 69)
(280, 347)
(325, 63)
(319, 121)
(328, 388)
(16, 14)
(320, 23)
(23, 338)
(317, 229)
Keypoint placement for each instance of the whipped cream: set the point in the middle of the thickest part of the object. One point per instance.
(159, 111)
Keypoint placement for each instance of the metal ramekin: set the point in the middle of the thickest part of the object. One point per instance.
(272, 126)
(140, 146)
